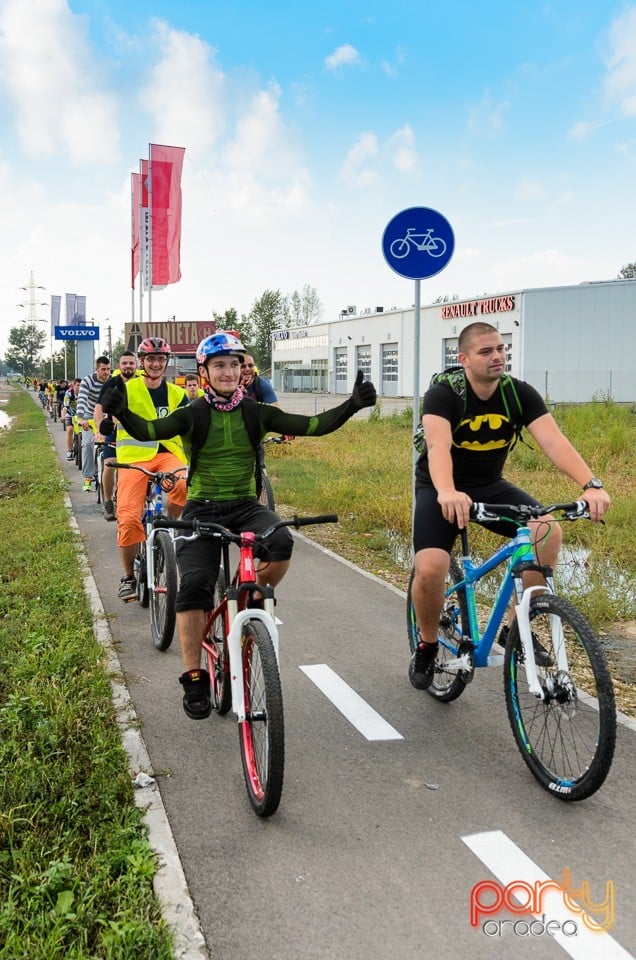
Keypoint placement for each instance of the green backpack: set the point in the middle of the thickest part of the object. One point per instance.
(455, 378)
(201, 428)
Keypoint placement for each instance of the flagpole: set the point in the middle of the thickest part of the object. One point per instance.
(150, 232)
(132, 247)
(142, 242)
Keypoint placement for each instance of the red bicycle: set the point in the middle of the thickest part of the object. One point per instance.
(240, 651)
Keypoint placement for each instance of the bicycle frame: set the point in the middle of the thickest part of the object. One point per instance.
(243, 582)
(519, 553)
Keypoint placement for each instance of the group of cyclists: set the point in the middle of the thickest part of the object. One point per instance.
(147, 420)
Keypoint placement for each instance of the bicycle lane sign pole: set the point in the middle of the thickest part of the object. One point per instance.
(417, 243)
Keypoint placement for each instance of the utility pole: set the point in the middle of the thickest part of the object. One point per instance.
(32, 304)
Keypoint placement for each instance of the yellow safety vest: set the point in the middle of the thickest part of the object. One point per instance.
(140, 402)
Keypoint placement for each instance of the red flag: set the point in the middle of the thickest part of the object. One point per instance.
(165, 166)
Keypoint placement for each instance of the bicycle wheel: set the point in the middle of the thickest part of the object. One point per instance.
(445, 686)
(163, 595)
(217, 663)
(262, 733)
(267, 494)
(566, 740)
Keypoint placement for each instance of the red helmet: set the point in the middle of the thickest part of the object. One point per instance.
(153, 345)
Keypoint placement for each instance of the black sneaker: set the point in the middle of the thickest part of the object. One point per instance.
(542, 657)
(196, 693)
(127, 589)
(422, 666)
(109, 510)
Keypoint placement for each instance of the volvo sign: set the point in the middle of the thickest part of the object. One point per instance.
(77, 333)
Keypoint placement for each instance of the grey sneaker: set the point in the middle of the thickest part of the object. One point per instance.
(422, 666)
(127, 589)
(109, 510)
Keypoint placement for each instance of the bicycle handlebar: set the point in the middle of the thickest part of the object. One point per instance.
(209, 529)
(158, 475)
(483, 512)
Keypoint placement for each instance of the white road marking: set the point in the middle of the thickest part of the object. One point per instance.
(509, 863)
(356, 710)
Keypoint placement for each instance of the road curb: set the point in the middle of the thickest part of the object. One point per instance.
(170, 884)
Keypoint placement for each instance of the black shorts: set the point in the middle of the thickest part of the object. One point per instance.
(199, 559)
(430, 529)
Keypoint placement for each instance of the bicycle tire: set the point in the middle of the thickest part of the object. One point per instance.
(262, 733)
(266, 497)
(566, 742)
(142, 576)
(217, 664)
(163, 596)
(444, 686)
(99, 470)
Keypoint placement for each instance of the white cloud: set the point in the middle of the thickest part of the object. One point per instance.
(487, 116)
(357, 171)
(620, 83)
(51, 79)
(344, 56)
(185, 92)
(401, 147)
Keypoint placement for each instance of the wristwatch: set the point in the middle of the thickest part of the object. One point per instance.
(593, 484)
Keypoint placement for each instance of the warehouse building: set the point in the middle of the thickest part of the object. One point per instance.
(571, 343)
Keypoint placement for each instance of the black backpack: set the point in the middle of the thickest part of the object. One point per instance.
(455, 378)
(201, 428)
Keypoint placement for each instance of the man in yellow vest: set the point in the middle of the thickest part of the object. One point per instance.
(150, 396)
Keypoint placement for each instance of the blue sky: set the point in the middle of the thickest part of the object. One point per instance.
(306, 128)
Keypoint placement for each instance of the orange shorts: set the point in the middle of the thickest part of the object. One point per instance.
(131, 494)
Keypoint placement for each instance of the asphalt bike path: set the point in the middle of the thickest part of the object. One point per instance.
(394, 806)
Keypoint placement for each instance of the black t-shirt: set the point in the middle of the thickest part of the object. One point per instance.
(482, 440)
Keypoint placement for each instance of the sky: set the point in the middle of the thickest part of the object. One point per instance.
(307, 128)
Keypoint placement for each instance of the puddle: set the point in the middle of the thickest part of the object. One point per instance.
(5, 419)
(572, 571)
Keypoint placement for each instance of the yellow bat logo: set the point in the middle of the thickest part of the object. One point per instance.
(488, 427)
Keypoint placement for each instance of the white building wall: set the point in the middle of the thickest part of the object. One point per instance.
(572, 343)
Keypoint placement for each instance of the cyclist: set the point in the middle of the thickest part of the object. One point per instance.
(464, 455)
(89, 391)
(222, 487)
(69, 409)
(127, 368)
(260, 388)
(191, 386)
(60, 391)
(148, 396)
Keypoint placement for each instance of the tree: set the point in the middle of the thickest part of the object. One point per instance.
(628, 272)
(230, 321)
(267, 314)
(304, 308)
(25, 343)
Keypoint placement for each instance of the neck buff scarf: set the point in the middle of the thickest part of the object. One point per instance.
(224, 405)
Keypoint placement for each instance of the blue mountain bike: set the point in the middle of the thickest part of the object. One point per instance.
(558, 690)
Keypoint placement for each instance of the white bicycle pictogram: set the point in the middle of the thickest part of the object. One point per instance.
(424, 242)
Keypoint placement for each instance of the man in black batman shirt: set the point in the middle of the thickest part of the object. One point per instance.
(467, 443)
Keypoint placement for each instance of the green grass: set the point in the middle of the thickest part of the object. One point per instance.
(363, 472)
(76, 869)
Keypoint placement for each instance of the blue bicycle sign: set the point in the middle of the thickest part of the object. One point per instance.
(433, 246)
(418, 243)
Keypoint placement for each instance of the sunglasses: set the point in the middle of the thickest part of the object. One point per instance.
(246, 365)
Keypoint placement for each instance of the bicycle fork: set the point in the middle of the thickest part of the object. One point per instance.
(235, 649)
